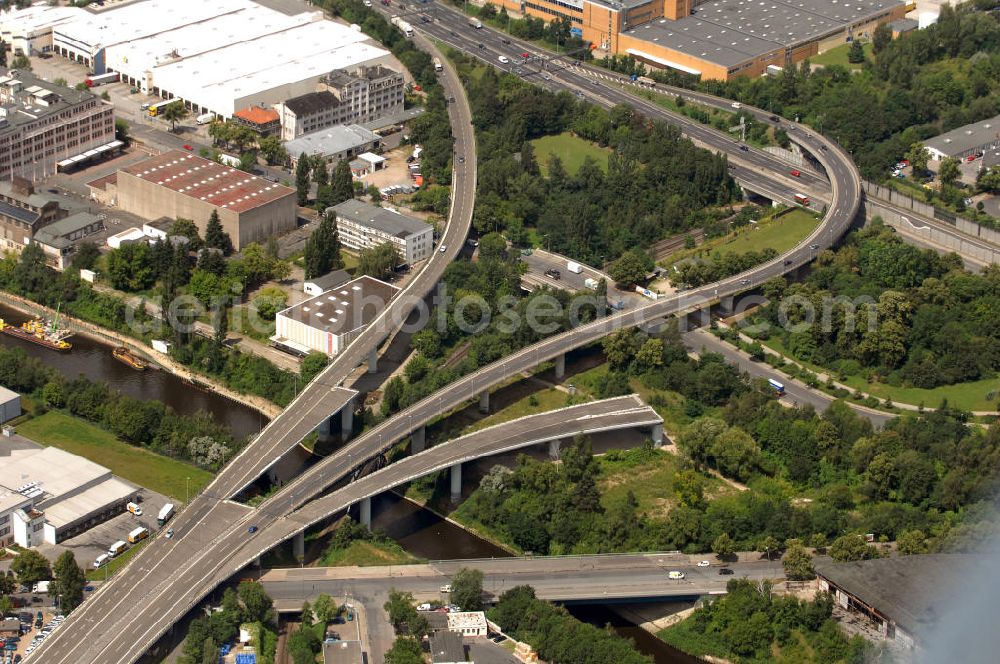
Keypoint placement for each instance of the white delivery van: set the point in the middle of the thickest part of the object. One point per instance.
(101, 561)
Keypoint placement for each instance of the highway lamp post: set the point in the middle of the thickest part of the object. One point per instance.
(187, 491)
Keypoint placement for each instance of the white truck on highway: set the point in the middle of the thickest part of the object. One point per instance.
(574, 267)
(437, 64)
(166, 512)
(403, 26)
(476, 23)
(590, 283)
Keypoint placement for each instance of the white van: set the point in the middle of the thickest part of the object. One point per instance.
(101, 561)
(205, 118)
(134, 509)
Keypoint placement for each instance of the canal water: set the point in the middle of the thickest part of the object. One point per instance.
(93, 359)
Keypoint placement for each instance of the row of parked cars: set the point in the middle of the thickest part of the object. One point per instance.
(43, 633)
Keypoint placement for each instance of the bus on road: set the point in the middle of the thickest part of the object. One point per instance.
(157, 108)
(778, 388)
(801, 199)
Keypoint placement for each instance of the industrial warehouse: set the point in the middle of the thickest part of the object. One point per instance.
(48, 495)
(328, 322)
(209, 55)
(178, 184)
(717, 39)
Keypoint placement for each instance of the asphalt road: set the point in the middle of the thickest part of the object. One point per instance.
(796, 393)
(170, 576)
(606, 578)
(129, 613)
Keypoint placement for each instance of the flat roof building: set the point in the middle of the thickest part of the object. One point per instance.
(467, 623)
(59, 239)
(323, 283)
(362, 225)
(178, 184)
(43, 124)
(328, 322)
(48, 495)
(965, 141)
(333, 144)
(10, 404)
(447, 648)
(216, 56)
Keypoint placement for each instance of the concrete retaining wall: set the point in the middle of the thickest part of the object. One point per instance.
(927, 210)
(947, 241)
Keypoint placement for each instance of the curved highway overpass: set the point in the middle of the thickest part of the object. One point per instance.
(163, 582)
(88, 633)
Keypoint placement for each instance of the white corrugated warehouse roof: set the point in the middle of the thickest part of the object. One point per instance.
(37, 18)
(56, 472)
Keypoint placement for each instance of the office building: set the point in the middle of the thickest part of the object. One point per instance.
(359, 96)
(328, 322)
(467, 623)
(362, 225)
(178, 184)
(43, 125)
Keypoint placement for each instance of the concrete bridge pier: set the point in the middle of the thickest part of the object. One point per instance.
(728, 304)
(347, 421)
(324, 428)
(299, 546)
(456, 482)
(657, 434)
(560, 366)
(682, 323)
(484, 401)
(418, 440)
(365, 512)
(373, 361)
(554, 448)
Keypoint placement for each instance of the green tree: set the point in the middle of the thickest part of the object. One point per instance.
(325, 608)
(847, 548)
(856, 53)
(256, 603)
(724, 547)
(341, 183)
(174, 113)
(379, 261)
(308, 618)
(322, 252)
(769, 545)
(302, 178)
(918, 156)
(467, 589)
(405, 650)
(31, 566)
(215, 237)
(949, 171)
(129, 267)
(312, 365)
(689, 487)
(85, 255)
(209, 652)
(272, 149)
(911, 542)
(630, 269)
(121, 132)
(403, 615)
(69, 582)
(619, 348)
(797, 563)
(881, 38)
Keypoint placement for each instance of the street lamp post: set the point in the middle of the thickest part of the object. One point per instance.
(187, 491)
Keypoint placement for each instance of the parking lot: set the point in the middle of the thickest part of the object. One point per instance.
(87, 546)
(35, 633)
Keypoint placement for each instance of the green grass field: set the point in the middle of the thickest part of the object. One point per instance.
(145, 468)
(116, 564)
(838, 56)
(780, 234)
(571, 149)
(367, 554)
(539, 402)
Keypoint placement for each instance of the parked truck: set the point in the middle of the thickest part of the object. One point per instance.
(403, 26)
(166, 512)
(101, 79)
(437, 64)
(138, 535)
(590, 283)
(40, 587)
(574, 267)
(117, 548)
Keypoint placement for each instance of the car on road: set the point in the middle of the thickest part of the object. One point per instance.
(503, 59)
(505, 41)
(368, 3)
(446, 588)
(554, 273)
(424, 607)
(188, 147)
(814, 247)
(745, 282)
(252, 529)
(443, 247)
(170, 533)
(971, 157)
(744, 148)
(461, 160)
(675, 575)
(795, 173)
(773, 118)
(480, 44)
(703, 563)
(526, 55)
(737, 105)
(725, 571)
